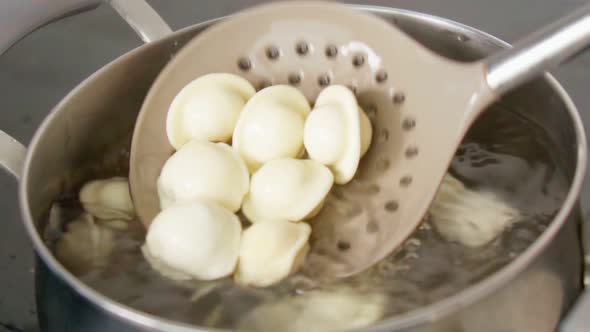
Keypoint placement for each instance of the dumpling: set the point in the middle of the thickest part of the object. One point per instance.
(271, 126)
(199, 240)
(108, 199)
(85, 245)
(291, 189)
(207, 109)
(472, 218)
(202, 169)
(270, 251)
(337, 132)
(317, 311)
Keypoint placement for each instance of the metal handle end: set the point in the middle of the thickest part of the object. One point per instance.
(12, 154)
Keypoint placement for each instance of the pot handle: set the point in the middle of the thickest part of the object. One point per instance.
(578, 319)
(22, 17)
(541, 51)
(12, 154)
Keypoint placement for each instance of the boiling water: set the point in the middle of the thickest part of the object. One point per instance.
(503, 153)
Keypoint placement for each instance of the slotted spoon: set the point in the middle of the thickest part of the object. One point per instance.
(420, 105)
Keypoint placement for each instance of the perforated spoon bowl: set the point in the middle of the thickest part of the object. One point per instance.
(420, 105)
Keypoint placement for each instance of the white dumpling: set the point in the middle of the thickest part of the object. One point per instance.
(317, 311)
(202, 169)
(291, 189)
(270, 251)
(85, 245)
(207, 109)
(199, 240)
(108, 199)
(337, 132)
(271, 126)
(472, 218)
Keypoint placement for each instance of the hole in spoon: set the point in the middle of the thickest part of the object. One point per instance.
(391, 206)
(272, 52)
(371, 110)
(343, 245)
(405, 181)
(384, 135)
(294, 79)
(372, 227)
(381, 76)
(263, 84)
(408, 124)
(411, 151)
(302, 48)
(383, 165)
(331, 51)
(244, 64)
(324, 80)
(399, 98)
(338, 194)
(358, 60)
(373, 189)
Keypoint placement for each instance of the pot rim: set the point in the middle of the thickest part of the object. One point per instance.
(412, 318)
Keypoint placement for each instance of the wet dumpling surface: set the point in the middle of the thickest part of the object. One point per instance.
(271, 126)
(291, 189)
(85, 245)
(208, 109)
(200, 240)
(270, 251)
(317, 311)
(337, 132)
(202, 169)
(108, 199)
(469, 217)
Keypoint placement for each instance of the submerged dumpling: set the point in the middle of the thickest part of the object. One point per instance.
(85, 245)
(270, 251)
(207, 109)
(271, 126)
(108, 199)
(199, 240)
(469, 217)
(202, 169)
(291, 189)
(317, 311)
(337, 132)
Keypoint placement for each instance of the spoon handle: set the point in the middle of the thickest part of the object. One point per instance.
(541, 51)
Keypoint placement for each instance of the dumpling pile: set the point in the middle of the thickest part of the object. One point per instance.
(238, 149)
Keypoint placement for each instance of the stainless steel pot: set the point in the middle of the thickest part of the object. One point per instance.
(531, 294)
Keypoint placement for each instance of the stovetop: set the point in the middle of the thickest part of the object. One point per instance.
(37, 72)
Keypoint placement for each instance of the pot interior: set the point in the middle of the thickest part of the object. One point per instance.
(523, 150)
